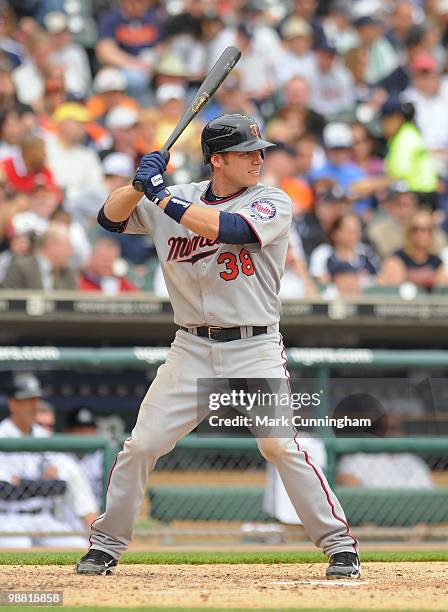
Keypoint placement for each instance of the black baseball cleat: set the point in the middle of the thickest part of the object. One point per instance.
(344, 565)
(96, 563)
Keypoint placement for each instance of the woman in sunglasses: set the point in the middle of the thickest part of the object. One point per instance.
(416, 261)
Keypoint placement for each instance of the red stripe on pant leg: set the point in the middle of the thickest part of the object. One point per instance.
(284, 357)
(107, 488)
(307, 459)
(327, 494)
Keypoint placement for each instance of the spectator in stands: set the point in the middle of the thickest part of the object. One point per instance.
(355, 60)
(377, 470)
(184, 33)
(48, 268)
(382, 59)
(74, 165)
(296, 282)
(29, 76)
(307, 9)
(10, 205)
(8, 97)
(297, 57)
(386, 230)
(295, 113)
(146, 140)
(78, 237)
(340, 167)
(329, 203)
(12, 132)
(408, 159)
(416, 261)
(430, 103)
(346, 279)
(35, 485)
(55, 94)
(118, 170)
(363, 151)
(21, 235)
(69, 54)
(100, 274)
(346, 247)
(256, 68)
(29, 170)
(171, 106)
(403, 16)
(338, 28)
(171, 70)
(127, 37)
(122, 123)
(230, 98)
(278, 171)
(331, 83)
(109, 89)
(10, 47)
(308, 155)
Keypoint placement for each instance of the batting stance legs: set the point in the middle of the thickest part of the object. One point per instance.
(169, 412)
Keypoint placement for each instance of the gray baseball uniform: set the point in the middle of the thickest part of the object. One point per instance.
(223, 285)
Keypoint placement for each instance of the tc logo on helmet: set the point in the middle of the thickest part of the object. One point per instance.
(255, 130)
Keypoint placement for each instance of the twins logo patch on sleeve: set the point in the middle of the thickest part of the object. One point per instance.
(262, 210)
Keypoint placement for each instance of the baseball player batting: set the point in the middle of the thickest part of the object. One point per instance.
(222, 246)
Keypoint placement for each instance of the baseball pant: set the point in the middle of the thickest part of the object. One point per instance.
(169, 412)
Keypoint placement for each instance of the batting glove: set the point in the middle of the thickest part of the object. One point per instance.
(150, 173)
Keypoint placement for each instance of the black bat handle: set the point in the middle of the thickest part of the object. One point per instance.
(138, 185)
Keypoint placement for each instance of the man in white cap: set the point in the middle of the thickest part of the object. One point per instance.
(170, 98)
(339, 167)
(109, 89)
(297, 57)
(36, 485)
(122, 123)
(72, 56)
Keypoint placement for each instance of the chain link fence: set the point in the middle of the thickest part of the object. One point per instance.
(217, 487)
(51, 489)
(224, 480)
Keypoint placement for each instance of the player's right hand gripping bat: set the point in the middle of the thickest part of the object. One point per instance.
(212, 81)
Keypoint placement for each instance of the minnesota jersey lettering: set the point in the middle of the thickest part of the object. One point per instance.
(197, 292)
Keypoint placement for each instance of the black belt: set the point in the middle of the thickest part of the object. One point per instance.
(224, 334)
(33, 511)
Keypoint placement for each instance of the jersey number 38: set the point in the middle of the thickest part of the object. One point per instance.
(233, 266)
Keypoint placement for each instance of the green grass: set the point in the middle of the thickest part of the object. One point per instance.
(197, 558)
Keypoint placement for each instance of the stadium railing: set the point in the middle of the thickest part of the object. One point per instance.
(206, 479)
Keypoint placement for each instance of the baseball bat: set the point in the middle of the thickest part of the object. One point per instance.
(212, 81)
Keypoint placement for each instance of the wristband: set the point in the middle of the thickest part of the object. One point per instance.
(157, 197)
(176, 208)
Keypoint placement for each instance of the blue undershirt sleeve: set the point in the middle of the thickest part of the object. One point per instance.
(234, 229)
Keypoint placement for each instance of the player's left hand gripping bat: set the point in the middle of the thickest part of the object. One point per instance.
(212, 81)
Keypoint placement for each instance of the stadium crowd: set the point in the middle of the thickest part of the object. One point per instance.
(353, 92)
